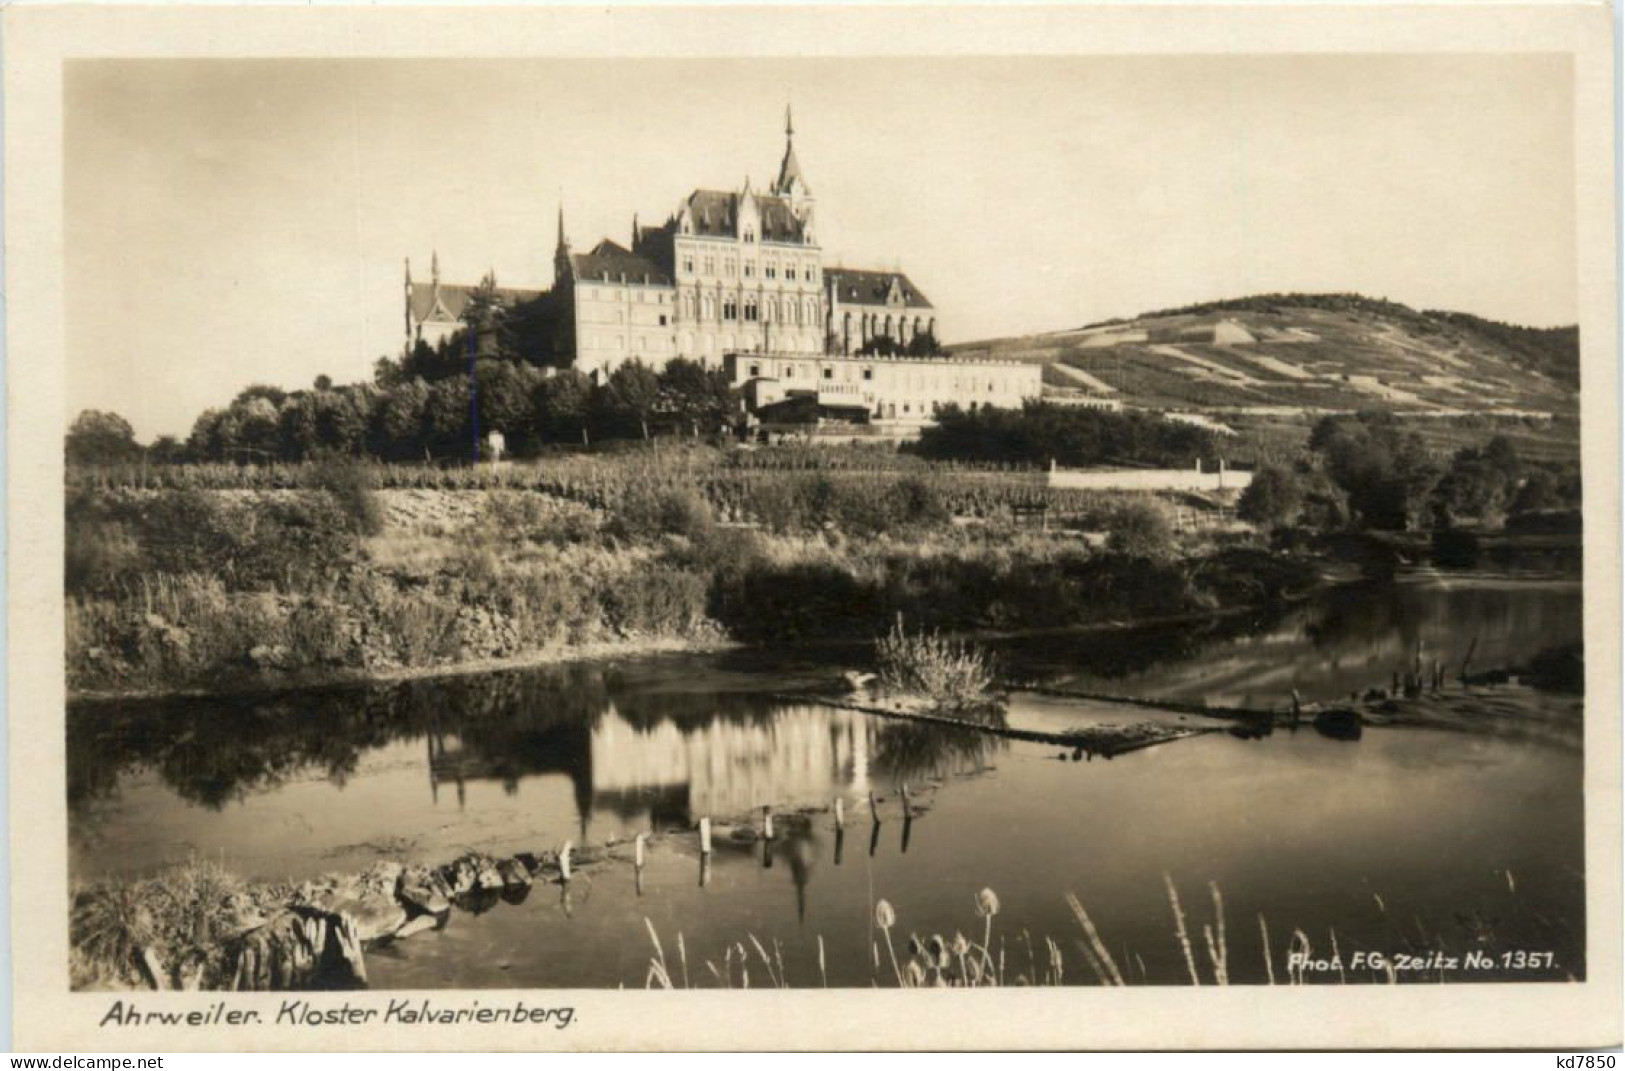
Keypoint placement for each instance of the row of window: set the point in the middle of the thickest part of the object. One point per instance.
(749, 234)
(771, 268)
(652, 297)
(772, 309)
(915, 382)
(615, 316)
(644, 343)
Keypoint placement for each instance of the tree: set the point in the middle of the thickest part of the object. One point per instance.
(397, 425)
(446, 430)
(693, 396)
(342, 418)
(626, 401)
(100, 438)
(563, 405)
(1141, 529)
(1272, 499)
(1386, 473)
(1479, 485)
(166, 450)
(296, 425)
(505, 400)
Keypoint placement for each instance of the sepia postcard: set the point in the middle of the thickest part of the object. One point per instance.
(796, 527)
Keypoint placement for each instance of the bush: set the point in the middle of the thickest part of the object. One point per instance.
(1273, 498)
(1141, 530)
(351, 485)
(647, 513)
(953, 676)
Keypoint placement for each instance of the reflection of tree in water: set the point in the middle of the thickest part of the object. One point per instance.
(913, 751)
(1117, 653)
(1386, 620)
(503, 726)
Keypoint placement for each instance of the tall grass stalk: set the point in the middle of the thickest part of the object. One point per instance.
(1269, 960)
(1179, 928)
(1101, 952)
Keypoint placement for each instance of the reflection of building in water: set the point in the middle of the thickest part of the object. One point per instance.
(510, 755)
(800, 754)
(674, 772)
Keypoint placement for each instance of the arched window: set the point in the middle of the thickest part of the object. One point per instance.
(710, 308)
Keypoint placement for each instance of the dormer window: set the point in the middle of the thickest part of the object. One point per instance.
(750, 235)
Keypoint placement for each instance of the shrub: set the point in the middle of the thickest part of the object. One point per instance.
(1141, 529)
(1273, 498)
(954, 676)
(648, 513)
(98, 554)
(110, 925)
(351, 485)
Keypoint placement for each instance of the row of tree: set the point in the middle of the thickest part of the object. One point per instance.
(414, 418)
(1042, 432)
(1383, 476)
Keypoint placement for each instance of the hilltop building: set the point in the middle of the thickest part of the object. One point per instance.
(736, 279)
(728, 271)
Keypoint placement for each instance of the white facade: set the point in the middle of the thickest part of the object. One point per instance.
(901, 389)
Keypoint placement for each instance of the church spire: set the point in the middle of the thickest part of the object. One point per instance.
(791, 182)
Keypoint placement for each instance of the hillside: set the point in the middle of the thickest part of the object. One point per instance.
(1283, 353)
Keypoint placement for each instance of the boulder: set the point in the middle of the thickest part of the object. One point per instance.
(367, 898)
(513, 873)
(424, 891)
(302, 947)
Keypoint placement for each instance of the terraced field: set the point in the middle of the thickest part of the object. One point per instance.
(1276, 362)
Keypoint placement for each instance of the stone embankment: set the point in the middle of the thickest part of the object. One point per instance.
(314, 936)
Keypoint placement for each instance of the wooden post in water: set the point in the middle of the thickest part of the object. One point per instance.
(637, 850)
(767, 823)
(564, 863)
(840, 815)
(705, 836)
(874, 808)
(908, 805)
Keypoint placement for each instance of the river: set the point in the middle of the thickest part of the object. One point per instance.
(1405, 840)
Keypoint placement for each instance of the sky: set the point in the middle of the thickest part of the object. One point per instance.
(246, 221)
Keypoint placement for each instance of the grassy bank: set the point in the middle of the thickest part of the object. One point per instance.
(176, 587)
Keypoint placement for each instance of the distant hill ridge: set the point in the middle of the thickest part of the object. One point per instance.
(1311, 352)
(1553, 350)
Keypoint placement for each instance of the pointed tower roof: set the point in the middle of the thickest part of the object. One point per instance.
(790, 179)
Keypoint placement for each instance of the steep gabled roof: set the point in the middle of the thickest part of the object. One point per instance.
(609, 261)
(715, 214)
(454, 299)
(858, 286)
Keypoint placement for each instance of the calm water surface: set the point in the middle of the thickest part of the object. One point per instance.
(1402, 840)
